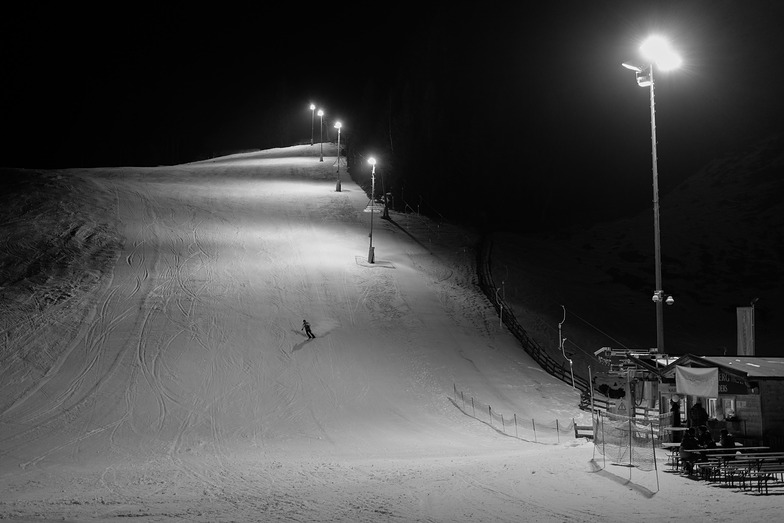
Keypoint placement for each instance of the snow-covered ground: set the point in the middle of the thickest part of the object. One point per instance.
(153, 364)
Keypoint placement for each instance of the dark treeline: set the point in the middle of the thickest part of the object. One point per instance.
(446, 124)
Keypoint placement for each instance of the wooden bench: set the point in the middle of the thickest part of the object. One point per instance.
(709, 470)
(760, 467)
(769, 469)
(583, 431)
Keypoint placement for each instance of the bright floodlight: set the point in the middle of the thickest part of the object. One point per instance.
(338, 125)
(657, 49)
(372, 161)
(634, 68)
(312, 107)
(320, 112)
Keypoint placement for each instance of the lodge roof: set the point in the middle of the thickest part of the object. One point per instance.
(749, 366)
(753, 366)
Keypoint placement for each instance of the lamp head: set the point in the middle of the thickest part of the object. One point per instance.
(657, 49)
(312, 107)
(372, 161)
(643, 74)
(338, 125)
(320, 112)
(644, 78)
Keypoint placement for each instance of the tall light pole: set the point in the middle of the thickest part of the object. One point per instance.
(753, 328)
(312, 122)
(371, 252)
(321, 133)
(656, 50)
(338, 125)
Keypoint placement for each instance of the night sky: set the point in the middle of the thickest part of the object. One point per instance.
(477, 111)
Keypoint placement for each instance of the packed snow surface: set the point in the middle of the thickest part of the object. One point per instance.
(158, 369)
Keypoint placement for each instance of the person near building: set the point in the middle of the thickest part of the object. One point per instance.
(726, 440)
(705, 438)
(689, 450)
(698, 415)
(675, 417)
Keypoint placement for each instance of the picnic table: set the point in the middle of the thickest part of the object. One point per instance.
(757, 463)
(674, 452)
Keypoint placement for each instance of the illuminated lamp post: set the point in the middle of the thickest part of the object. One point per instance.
(338, 125)
(312, 122)
(657, 51)
(371, 251)
(321, 133)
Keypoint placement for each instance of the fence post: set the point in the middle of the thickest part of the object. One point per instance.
(557, 431)
(490, 411)
(462, 397)
(631, 443)
(503, 425)
(534, 425)
(515, 420)
(604, 451)
(655, 467)
(473, 409)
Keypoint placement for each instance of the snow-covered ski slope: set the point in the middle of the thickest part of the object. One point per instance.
(180, 386)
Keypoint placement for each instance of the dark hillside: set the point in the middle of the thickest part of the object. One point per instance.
(722, 234)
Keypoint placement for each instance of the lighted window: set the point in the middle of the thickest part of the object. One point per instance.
(729, 407)
(713, 408)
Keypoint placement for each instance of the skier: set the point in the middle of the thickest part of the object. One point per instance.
(306, 328)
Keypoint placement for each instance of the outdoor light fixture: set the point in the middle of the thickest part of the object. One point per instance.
(643, 75)
(321, 133)
(656, 50)
(338, 125)
(312, 122)
(371, 252)
(659, 295)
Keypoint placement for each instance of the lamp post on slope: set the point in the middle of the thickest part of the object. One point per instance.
(338, 125)
(312, 122)
(656, 50)
(371, 251)
(321, 133)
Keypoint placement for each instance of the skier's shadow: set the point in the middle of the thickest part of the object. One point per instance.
(301, 345)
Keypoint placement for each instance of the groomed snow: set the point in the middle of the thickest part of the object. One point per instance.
(177, 384)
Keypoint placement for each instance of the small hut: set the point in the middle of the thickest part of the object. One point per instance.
(744, 394)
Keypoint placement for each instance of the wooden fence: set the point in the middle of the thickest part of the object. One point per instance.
(553, 367)
(486, 283)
